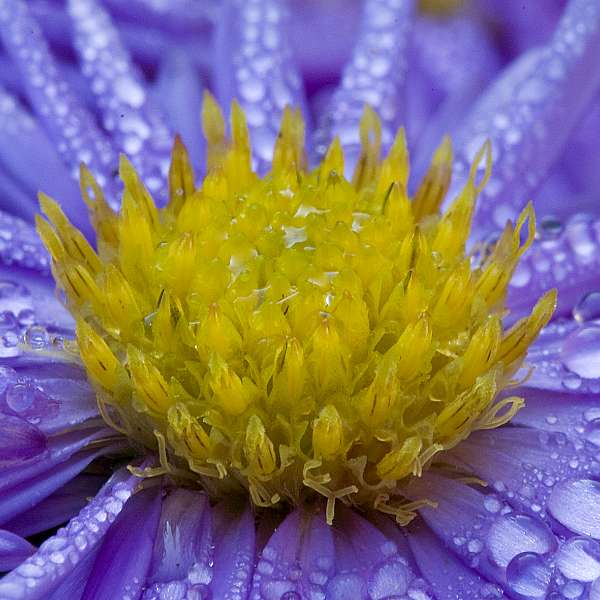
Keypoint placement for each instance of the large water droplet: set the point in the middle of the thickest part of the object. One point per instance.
(342, 587)
(550, 228)
(576, 505)
(580, 352)
(389, 578)
(588, 308)
(579, 559)
(513, 534)
(527, 575)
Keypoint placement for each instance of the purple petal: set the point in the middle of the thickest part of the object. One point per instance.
(19, 440)
(128, 112)
(486, 535)
(26, 495)
(234, 552)
(178, 90)
(68, 123)
(566, 257)
(58, 557)
(21, 246)
(375, 75)
(449, 577)
(124, 558)
(525, 465)
(368, 564)
(298, 558)
(529, 111)
(58, 508)
(28, 157)
(255, 67)
(183, 550)
(13, 550)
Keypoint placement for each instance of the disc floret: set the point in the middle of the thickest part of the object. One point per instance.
(297, 333)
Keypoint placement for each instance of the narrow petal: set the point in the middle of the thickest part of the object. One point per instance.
(528, 113)
(57, 558)
(129, 113)
(567, 257)
(298, 558)
(58, 508)
(375, 75)
(182, 558)
(255, 67)
(234, 555)
(13, 550)
(124, 558)
(28, 157)
(178, 90)
(368, 565)
(450, 579)
(68, 123)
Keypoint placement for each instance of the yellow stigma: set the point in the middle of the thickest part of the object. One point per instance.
(296, 334)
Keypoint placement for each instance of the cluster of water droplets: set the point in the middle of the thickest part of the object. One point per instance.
(19, 329)
(72, 544)
(69, 124)
(375, 75)
(527, 112)
(129, 114)
(264, 77)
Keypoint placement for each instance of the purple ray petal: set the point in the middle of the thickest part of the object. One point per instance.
(529, 111)
(182, 558)
(255, 66)
(19, 441)
(298, 558)
(13, 550)
(234, 552)
(27, 155)
(126, 551)
(20, 245)
(525, 465)
(449, 577)
(128, 112)
(60, 449)
(58, 508)
(566, 357)
(486, 535)
(26, 495)
(68, 123)
(375, 75)
(368, 564)
(178, 90)
(567, 257)
(54, 562)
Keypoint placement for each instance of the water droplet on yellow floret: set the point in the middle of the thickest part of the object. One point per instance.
(297, 334)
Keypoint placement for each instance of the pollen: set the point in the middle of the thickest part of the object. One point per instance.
(295, 335)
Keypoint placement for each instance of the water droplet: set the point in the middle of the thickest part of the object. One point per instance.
(345, 586)
(389, 578)
(588, 308)
(550, 228)
(592, 432)
(579, 558)
(580, 352)
(492, 504)
(572, 590)
(575, 504)
(527, 575)
(571, 381)
(513, 534)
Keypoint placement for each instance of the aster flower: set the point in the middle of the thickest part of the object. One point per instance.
(296, 373)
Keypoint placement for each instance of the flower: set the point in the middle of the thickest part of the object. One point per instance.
(326, 307)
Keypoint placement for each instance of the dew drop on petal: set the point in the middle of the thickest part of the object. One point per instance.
(580, 352)
(528, 576)
(389, 578)
(575, 504)
(513, 534)
(588, 308)
(579, 559)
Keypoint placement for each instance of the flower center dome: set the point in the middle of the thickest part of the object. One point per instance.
(297, 334)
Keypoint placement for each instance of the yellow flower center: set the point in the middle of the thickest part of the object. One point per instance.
(296, 334)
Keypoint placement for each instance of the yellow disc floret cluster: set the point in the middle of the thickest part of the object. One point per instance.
(296, 334)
